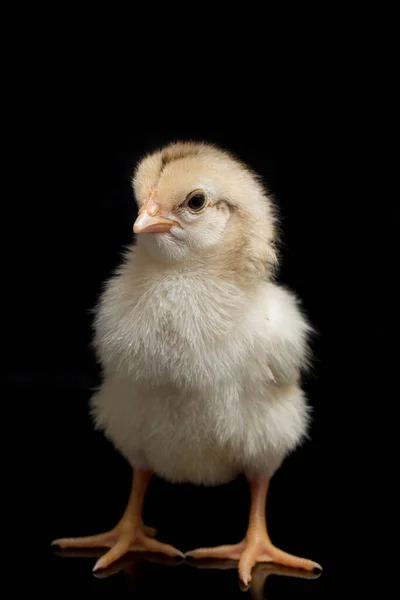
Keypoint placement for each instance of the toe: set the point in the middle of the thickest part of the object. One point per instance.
(289, 560)
(229, 552)
(246, 563)
(92, 541)
(118, 550)
(156, 546)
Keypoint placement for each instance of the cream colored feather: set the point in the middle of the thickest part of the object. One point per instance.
(202, 352)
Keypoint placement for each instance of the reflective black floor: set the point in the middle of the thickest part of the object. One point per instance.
(137, 576)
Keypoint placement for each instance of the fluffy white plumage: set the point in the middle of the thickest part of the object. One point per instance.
(202, 353)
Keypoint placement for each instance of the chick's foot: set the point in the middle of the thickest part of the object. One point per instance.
(129, 535)
(125, 537)
(256, 546)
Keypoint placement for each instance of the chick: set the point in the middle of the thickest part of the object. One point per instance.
(202, 352)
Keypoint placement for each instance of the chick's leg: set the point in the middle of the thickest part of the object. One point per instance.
(129, 533)
(256, 546)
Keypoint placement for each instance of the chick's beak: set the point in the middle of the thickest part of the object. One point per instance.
(150, 221)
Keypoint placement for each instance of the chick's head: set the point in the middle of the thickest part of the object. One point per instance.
(197, 201)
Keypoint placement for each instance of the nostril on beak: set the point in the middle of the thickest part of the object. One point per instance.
(153, 208)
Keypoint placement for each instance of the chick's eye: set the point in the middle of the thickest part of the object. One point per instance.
(196, 202)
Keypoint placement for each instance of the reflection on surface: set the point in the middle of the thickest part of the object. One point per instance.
(260, 573)
(132, 564)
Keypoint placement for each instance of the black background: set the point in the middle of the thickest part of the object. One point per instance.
(75, 143)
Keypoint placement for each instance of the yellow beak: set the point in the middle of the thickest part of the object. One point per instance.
(146, 223)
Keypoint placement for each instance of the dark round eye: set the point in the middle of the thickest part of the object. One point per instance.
(196, 201)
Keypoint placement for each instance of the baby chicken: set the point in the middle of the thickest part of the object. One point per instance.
(201, 351)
